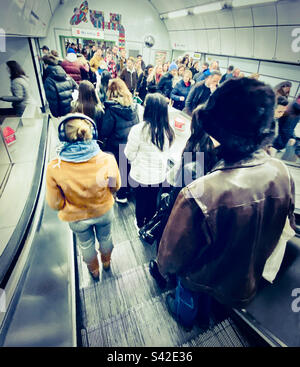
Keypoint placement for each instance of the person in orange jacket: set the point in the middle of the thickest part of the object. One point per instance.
(80, 185)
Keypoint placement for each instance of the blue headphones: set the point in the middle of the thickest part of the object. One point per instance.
(61, 127)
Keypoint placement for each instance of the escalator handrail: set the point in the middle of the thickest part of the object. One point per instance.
(16, 242)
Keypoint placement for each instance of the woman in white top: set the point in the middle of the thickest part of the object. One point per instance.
(147, 150)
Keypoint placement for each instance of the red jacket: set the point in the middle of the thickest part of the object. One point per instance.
(72, 69)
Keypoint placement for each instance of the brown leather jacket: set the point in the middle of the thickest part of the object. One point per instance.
(225, 225)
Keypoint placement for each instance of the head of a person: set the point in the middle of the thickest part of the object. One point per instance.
(214, 65)
(205, 66)
(73, 45)
(230, 69)
(87, 99)
(185, 60)
(213, 80)
(156, 117)
(181, 69)
(54, 53)
(236, 73)
(50, 60)
(94, 48)
(98, 53)
(115, 50)
(196, 65)
(148, 70)
(123, 53)
(254, 76)
(138, 64)
(187, 76)
(45, 50)
(239, 115)
(200, 142)
(165, 67)
(117, 90)
(281, 106)
(173, 69)
(283, 88)
(81, 59)
(159, 69)
(105, 78)
(130, 63)
(15, 69)
(78, 130)
(139, 57)
(109, 56)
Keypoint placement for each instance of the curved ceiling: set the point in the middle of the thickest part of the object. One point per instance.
(261, 31)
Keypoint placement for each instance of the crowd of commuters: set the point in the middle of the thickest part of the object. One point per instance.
(213, 210)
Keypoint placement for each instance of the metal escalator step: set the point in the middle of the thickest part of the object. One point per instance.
(222, 335)
(126, 255)
(145, 325)
(112, 296)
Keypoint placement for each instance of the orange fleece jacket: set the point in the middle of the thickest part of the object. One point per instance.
(82, 190)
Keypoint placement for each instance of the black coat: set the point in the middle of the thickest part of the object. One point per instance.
(142, 86)
(59, 88)
(199, 94)
(116, 124)
(165, 85)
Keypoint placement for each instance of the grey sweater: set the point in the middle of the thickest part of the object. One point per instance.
(20, 94)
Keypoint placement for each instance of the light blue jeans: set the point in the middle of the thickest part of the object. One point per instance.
(85, 231)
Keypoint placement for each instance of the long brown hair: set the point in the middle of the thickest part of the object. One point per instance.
(15, 70)
(117, 90)
(87, 99)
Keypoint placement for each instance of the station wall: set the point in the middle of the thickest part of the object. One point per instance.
(139, 19)
(267, 32)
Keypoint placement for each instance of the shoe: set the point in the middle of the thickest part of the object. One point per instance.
(121, 201)
(160, 280)
(170, 302)
(93, 267)
(105, 259)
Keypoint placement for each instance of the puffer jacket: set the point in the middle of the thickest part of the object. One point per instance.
(116, 124)
(225, 225)
(180, 90)
(148, 163)
(59, 88)
(73, 69)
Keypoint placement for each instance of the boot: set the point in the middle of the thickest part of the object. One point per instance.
(105, 259)
(93, 267)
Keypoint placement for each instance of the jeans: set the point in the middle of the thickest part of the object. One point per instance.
(86, 230)
(188, 304)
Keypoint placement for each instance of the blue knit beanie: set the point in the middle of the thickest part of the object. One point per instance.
(173, 66)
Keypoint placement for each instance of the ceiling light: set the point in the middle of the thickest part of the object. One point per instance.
(207, 8)
(178, 14)
(237, 3)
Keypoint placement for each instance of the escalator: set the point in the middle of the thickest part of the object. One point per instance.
(53, 301)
